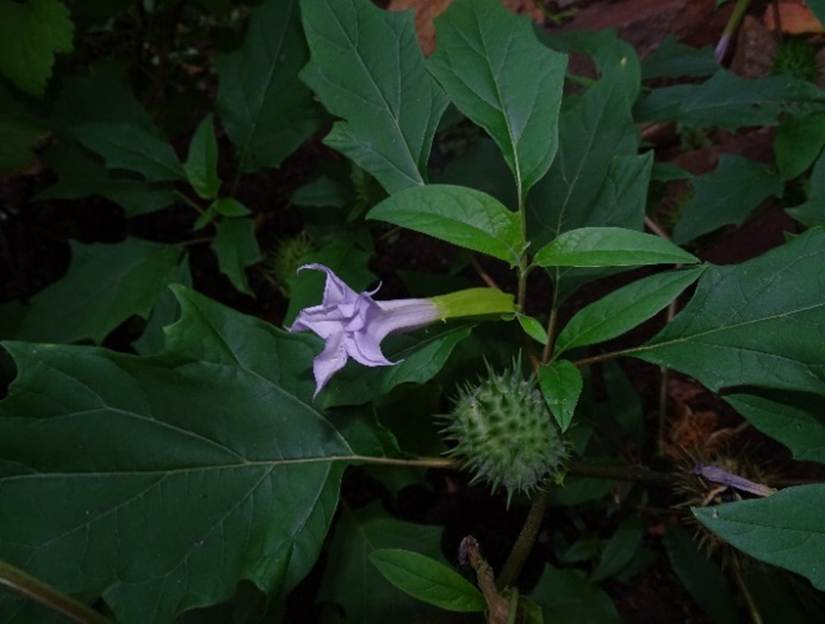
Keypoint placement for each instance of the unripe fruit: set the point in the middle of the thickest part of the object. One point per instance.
(504, 433)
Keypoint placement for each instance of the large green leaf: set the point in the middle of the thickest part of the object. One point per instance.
(786, 529)
(31, 32)
(728, 101)
(592, 133)
(237, 249)
(498, 74)
(158, 483)
(726, 196)
(458, 215)
(568, 597)
(427, 579)
(105, 285)
(609, 247)
(80, 175)
(132, 148)
(624, 309)
(796, 420)
(367, 68)
(418, 360)
(755, 323)
(266, 111)
(673, 59)
(481, 167)
(353, 582)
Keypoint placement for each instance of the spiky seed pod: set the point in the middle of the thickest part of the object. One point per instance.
(284, 260)
(504, 434)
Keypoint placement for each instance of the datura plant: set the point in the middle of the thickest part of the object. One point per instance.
(307, 318)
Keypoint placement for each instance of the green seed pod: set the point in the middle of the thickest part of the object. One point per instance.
(504, 433)
(284, 260)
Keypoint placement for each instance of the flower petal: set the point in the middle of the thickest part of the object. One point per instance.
(366, 351)
(329, 361)
(336, 292)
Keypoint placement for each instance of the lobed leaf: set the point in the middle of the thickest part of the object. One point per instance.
(786, 529)
(366, 67)
(499, 75)
(755, 323)
(158, 483)
(265, 109)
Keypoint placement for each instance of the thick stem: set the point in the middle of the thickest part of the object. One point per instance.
(498, 607)
(525, 541)
(16, 580)
(753, 610)
(552, 325)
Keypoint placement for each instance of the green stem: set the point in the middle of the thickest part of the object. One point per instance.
(34, 589)
(189, 201)
(523, 268)
(526, 539)
(602, 357)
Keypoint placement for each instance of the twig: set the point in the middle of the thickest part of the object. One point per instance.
(526, 538)
(485, 277)
(753, 610)
(664, 373)
(26, 585)
(498, 607)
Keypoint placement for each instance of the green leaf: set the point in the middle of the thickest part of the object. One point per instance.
(20, 133)
(367, 68)
(798, 143)
(610, 246)
(165, 312)
(427, 580)
(237, 248)
(624, 309)
(619, 550)
(130, 147)
(568, 597)
(230, 207)
(322, 191)
(786, 529)
(458, 215)
(355, 584)
(201, 164)
(496, 72)
(812, 212)
(673, 59)
(80, 175)
(725, 196)
(754, 323)
(135, 479)
(818, 8)
(728, 101)
(796, 421)
(31, 33)
(591, 134)
(419, 360)
(533, 328)
(561, 385)
(105, 285)
(700, 576)
(266, 110)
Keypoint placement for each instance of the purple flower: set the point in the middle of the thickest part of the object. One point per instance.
(353, 325)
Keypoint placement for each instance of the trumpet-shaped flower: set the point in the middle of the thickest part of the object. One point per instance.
(354, 324)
